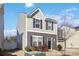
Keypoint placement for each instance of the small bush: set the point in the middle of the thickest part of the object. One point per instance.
(27, 49)
(59, 47)
(35, 48)
(45, 48)
(40, 48)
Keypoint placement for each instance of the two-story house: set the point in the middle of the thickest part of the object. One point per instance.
(35, 29)
(1, 25)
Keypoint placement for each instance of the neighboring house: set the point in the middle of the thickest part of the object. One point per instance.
(72, 35)
(73, 41)
(1, 25)
(35, 30)
(60, 37)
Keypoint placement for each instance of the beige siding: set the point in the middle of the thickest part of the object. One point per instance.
(69, 35)
(73, 41)
(68, 32)
(73, 38)
(43, 30)
(21, 29)
(39, 15)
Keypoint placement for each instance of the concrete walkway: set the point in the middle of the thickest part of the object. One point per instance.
(50, 53)
(18, 53)
(53, 53)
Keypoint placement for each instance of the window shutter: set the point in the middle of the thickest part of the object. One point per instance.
(33, 22)
(52, 25)
(41, 24)
(46, 25)
(31, 41)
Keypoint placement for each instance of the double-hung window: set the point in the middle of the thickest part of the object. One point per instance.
(49, 25)
(37, 40)
(37, 23)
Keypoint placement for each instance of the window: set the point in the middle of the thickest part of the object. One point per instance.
(37, 40)
(49, 25)
(37, 23)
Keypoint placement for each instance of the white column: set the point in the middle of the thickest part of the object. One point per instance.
(37, 41)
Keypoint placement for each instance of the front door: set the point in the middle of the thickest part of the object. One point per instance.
(49, 44)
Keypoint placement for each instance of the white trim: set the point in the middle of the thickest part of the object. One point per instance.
(41, 32)
(39, 23)
(36, 36)
(35, 11)
(37, 18)
(39, 10)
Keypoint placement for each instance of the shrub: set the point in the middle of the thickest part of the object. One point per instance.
(2, 52)
(27, 49)
(45, 48)
(40, 48)
(34, 48)
(59, 47)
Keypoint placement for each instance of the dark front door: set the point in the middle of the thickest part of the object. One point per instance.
(49, 44)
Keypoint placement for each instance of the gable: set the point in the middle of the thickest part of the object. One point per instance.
(38, 14)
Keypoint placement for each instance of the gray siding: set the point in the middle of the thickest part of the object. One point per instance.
(45, 38)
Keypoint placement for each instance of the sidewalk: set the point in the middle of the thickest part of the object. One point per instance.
(18, 53)
(53, 53)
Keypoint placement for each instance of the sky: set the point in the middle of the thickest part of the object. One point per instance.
(57, 11)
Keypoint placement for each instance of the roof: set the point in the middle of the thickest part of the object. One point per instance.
(77, 28)
(51, 20)
(36, 11)
(47, 19)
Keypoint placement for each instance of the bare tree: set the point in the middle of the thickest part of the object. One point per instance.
(66, 32)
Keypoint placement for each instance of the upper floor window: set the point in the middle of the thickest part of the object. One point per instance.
(37, 23)
(49, 25)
